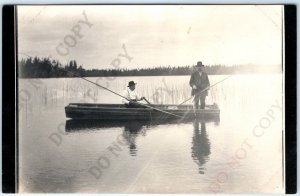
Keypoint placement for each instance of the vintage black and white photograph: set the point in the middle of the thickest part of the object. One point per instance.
(151, 99)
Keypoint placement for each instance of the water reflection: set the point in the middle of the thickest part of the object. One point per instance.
(96, 125)
(130, 132)
(200, 145)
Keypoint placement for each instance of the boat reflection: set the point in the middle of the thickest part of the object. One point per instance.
(73, 125)
(98, 125)
(133, 129)
(200, 150)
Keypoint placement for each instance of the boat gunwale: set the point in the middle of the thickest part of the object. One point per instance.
(86, 106)
(138, 109)
(128, 110)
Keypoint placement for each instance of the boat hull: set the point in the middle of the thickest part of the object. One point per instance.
(119, 112)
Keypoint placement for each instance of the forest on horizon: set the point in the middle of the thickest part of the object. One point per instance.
(45, 68)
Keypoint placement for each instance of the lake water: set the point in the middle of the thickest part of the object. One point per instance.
(242, 152)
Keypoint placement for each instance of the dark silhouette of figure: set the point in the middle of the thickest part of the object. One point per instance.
(200, 145)
(131, 132)
(200, 83)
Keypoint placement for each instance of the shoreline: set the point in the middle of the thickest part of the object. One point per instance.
(152, 75)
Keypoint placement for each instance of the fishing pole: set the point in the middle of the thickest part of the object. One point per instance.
(128, 99)
(204, 90)
(121, 95)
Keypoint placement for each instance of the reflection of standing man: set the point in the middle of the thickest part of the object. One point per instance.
(200, 145)
(199, 82)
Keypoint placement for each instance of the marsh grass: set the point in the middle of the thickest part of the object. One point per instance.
(236, 92)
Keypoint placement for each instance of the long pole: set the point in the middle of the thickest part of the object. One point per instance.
(204, 90)
(147, 106)
(129, 100)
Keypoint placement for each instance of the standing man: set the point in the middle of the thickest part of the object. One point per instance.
(131, 96)
(199, 82)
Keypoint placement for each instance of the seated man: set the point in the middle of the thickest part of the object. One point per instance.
(131, 96)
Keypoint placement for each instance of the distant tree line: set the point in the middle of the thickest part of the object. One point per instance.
(45, 68)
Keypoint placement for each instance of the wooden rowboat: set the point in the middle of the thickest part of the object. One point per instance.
(120, 112)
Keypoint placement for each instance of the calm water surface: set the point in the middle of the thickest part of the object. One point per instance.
(239, 153)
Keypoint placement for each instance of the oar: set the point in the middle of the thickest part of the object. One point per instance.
(147, 106)
(159, 110)
(147, 101)
(204, 90)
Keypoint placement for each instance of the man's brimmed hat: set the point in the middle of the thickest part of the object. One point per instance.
(199, 64)
(131, 83)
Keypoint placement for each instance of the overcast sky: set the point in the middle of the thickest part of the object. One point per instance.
(152, 35)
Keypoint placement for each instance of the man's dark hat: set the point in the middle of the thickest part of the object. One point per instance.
(131, 83)
(199, 64)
